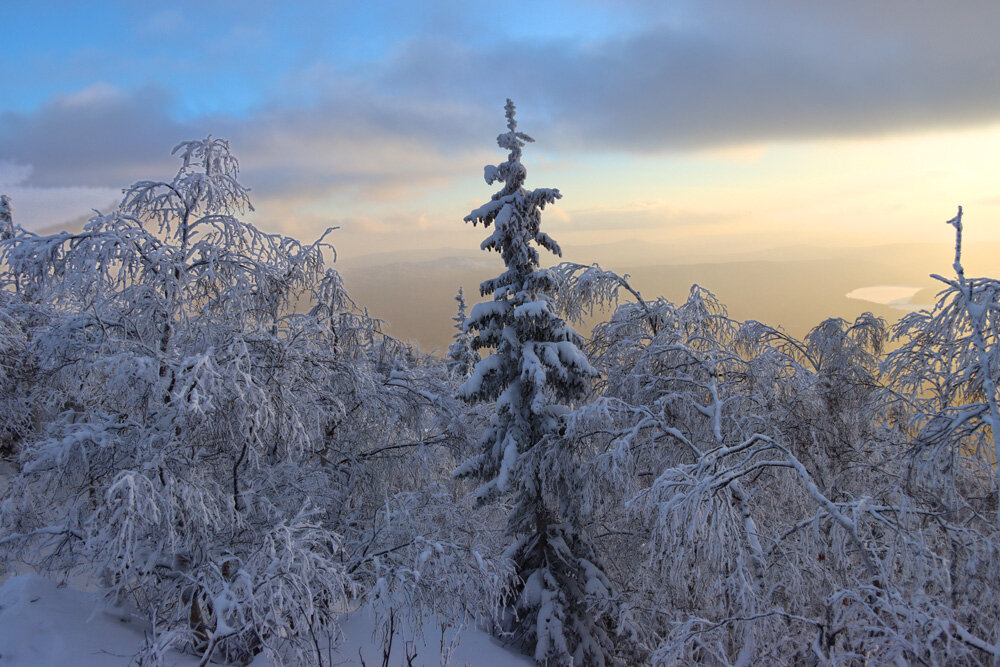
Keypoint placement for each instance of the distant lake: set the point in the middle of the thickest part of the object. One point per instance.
(894, 296)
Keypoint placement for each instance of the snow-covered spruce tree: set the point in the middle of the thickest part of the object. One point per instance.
(6, 217)
(535, 370)
(462, 357)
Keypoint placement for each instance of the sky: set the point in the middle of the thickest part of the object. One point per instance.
(711, 126)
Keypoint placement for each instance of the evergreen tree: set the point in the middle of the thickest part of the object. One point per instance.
(462, 358)
(6, 218)
(536, 369)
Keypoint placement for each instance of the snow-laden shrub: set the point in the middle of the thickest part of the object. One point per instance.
(214, 427)
(769, 500)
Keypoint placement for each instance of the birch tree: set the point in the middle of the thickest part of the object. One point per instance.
(217, 427)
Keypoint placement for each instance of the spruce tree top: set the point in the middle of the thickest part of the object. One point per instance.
(537, 365)
(514, 212)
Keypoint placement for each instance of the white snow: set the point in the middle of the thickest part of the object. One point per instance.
(475, 647)
(43, 624)
(532, 309)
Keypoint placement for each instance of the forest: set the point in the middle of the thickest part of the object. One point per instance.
(196, 415)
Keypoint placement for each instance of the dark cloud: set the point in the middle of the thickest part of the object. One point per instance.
(728, 73)
(99, 136)
(347, 139)
(356, 139)
(898, 67)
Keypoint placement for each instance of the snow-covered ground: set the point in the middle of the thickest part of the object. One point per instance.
(43, 624)
(474, 648)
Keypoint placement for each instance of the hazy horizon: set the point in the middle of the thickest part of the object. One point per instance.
(792, 291)
(792, 287)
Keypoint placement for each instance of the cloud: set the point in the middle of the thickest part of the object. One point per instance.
(736, 72)
(13, 174)
(354, 141)
(348, 148)
(51, 209)
(348, 140)
(45, 208)
(675, 76)
(164, 23)
(390, 224)
(98, 136)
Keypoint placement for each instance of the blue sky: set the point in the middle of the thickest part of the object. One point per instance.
(653, 117)
(236, 58)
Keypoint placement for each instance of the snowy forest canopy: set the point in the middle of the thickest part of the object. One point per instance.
(195, 414)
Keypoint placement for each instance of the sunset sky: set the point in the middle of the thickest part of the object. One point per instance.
(713, 126)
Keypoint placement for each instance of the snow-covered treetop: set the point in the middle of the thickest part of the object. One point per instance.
(513, 141)
(514, 211)
(461, 357)
(206, 184)
(6, 218)
(459, 318)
